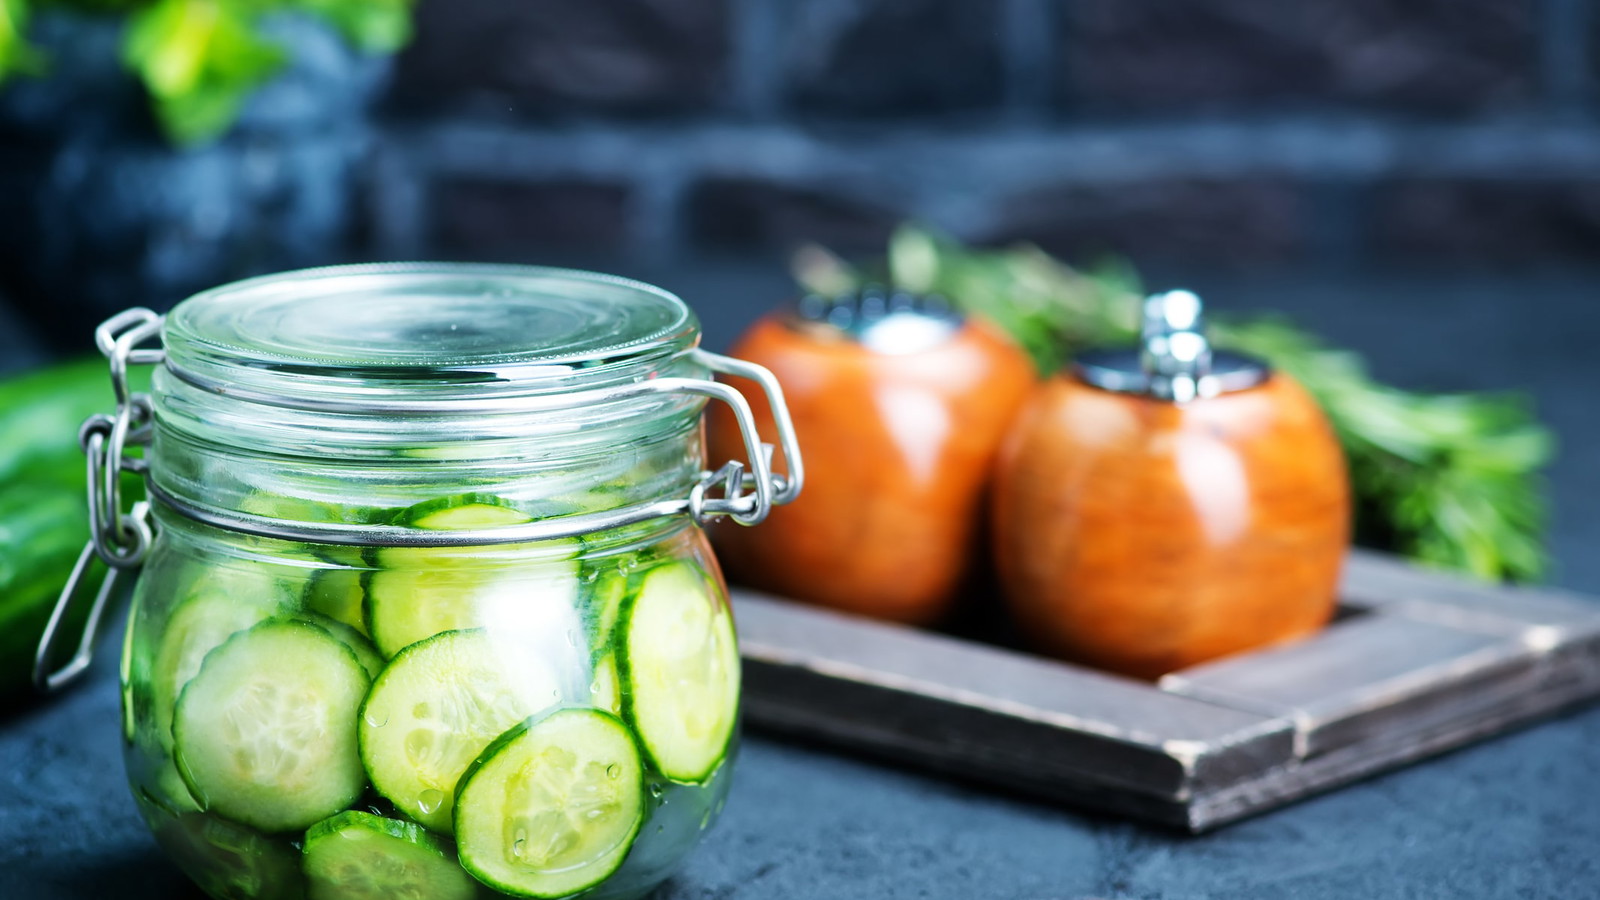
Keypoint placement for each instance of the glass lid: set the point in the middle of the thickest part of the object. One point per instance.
(430, 327)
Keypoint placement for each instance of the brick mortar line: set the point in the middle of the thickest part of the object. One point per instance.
(754, 44)
(1565, 54)
(1027, 52)
(1337, 151)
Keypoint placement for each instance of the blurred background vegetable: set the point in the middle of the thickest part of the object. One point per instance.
(199, 60)
(899, 408)
(1452, 480)
(43, 517)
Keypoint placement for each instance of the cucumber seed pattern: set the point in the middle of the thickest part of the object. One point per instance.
(449, 729)
(436, 706)
(553, 800)
(272, 729)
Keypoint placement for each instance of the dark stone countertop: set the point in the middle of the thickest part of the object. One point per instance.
(1514, 817)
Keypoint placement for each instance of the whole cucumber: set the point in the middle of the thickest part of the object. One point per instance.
(42, 528)
(43, 512)
(40, 413)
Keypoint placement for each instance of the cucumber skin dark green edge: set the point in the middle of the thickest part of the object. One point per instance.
(373, 822)
(410, 514)
(400, 829)
(333, 828)
(353, 640)
(372, 691)
(500, 743)
(372, 557)
(625, 679)
(607, 639)
(177, 755)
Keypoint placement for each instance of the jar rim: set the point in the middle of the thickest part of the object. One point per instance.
(434, 330)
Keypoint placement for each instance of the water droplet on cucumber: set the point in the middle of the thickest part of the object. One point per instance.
(429, 801)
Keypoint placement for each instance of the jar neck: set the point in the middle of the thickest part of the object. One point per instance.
(179, 533)
(215, 451)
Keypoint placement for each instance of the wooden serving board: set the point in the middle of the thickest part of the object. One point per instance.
(1416, 664)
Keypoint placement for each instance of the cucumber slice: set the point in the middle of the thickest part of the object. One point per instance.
(553, 806)
(607, 596)
(151, 771)
(292, 509)
(131, 684)
(266, 733)
(605, 688)
(172, 790)
(439, 703)
(339, 595)
(423, 591)
(218, 602)
(230, 861)
(365, 653)
(360, 856)
(680, 661)
(461, 512)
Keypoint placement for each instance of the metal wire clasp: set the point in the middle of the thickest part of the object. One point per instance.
(120, 533)
(768, 488)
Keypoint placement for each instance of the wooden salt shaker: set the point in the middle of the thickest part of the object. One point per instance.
(1158, 508)
(899, 404)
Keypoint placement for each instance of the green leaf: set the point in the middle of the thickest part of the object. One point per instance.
(200, 60)
(913, 259)
(17, 56)
(819, 271)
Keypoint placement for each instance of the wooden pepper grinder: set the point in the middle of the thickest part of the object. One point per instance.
(899, 404)
(1158, 508)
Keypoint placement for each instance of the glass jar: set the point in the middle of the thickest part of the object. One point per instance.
(425, 607)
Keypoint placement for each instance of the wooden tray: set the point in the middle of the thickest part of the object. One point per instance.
(1416, 664)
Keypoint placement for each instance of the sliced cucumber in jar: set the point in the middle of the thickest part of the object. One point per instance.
(420, 596)
(291, 508)
(340, 595)
(265, 734)
(134, 687)
(461, 512)
(230, 861)
(360, 856)
(217, 603)
(680, 661)
(607, 595)
(365, 653)
(419, 592)
(605, 687)
(154, 774)
(553, 806)
(436, 706)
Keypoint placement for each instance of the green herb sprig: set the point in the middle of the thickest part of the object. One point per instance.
(200, 60)
(1451, 480)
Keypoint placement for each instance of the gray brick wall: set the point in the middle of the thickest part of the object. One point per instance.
(1185, 134)
(1231, 132)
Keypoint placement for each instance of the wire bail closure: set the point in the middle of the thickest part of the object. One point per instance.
(121, 538)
